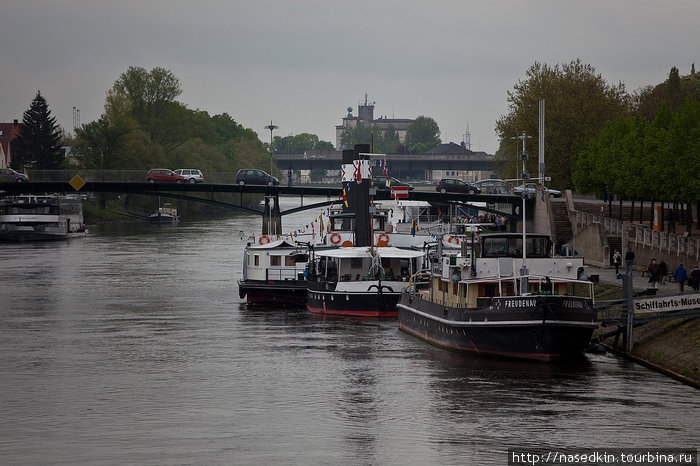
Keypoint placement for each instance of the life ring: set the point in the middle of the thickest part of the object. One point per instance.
(453, 240)
(264, 239)
(347, 244)
(335, 238)
(383, 240)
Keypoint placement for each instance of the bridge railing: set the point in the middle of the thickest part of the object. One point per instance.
(140, 176)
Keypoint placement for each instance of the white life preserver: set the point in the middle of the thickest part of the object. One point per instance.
(335, 238)
(264, 239)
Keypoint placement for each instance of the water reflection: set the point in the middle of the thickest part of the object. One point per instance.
(132, 346)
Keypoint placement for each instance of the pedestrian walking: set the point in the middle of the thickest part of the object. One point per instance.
(680, 276)
(617, 260)
(663, 272)
(695, 278)
(653, 272)
(289, 177)
(629, 261)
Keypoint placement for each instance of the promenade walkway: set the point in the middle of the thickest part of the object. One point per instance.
(639, 283)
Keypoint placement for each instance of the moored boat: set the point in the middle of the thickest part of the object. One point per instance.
(41, 218)
(503, 303)
(274, 272)
(360, 281)
(165, 214)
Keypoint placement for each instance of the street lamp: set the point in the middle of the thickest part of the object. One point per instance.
(271, 127)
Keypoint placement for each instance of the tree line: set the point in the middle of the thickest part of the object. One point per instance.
(600, 139)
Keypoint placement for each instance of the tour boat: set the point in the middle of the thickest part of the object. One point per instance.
(41, 218)
(503, 302)
(360, 281)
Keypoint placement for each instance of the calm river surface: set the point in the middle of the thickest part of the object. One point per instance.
(131, 346)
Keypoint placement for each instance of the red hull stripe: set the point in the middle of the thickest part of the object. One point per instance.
(351, 312)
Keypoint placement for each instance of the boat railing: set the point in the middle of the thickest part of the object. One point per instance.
(283, 274)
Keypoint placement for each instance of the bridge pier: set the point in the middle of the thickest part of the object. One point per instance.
(272, 217)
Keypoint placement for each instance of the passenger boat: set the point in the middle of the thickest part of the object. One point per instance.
(503, 302)
(360, 281)
(274, 272)
(165, 214)
(41, 218)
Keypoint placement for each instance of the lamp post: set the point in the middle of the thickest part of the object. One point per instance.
(271, 127)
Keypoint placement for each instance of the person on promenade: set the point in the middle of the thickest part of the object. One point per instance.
(653, 272)
(680, 276)
(289, 177)
(617, 260)
(629, 261)
(695, 278)
(663, 271)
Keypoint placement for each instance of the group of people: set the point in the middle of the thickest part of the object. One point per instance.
(658, 272)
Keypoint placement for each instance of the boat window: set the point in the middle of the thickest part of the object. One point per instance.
(289, 261)
(356, 263)
(275, 261)
(256, 259)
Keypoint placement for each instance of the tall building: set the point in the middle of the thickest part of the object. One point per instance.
(365, 117)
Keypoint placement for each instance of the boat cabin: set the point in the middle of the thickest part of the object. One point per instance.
(499, 270)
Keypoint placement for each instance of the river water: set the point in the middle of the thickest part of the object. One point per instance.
(131, 346)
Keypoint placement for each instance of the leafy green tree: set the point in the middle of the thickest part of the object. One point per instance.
(150, 92)
(579, 102)
(38, 141)
(297, 144)
(423, 134)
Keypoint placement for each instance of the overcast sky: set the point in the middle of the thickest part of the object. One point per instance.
(301, 63)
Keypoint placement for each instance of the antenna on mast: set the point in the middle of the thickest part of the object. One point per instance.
(468, 139)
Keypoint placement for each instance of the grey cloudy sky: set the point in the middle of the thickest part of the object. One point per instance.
(301, 63)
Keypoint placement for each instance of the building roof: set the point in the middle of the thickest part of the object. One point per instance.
(452, 149)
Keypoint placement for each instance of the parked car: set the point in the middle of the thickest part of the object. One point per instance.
(8, 174)
(255, 176)
(379, 182)
(451, 185)
(192, 175)
(164, 175)
(531, 188)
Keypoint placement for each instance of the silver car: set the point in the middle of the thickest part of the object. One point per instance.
(530, 188)
(192, 176)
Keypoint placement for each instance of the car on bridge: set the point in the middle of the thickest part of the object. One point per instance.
(451, 185)
(255, 176)
(531, 188)
(193, 176)
(379, 182)
(164, 175)
(8, 174)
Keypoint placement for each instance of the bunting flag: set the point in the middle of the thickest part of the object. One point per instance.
(358, 171)
(320, 219)
(413, 227)
(385, 171)
(345, 198)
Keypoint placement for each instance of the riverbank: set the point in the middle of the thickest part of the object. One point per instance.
(671, 347)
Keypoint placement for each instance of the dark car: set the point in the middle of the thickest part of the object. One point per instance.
(164, 175)
(451, 185)
(255, 176)
(379, 182)
(8, 174)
